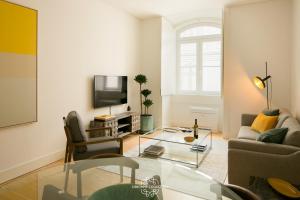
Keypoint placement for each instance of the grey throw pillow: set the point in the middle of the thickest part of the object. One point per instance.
(273, 136)
(274, 112)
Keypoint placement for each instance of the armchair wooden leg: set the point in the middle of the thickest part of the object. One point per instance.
(66, 153)
(66, 156)
(70, 152)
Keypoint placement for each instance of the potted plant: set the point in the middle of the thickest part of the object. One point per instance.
(146, 118)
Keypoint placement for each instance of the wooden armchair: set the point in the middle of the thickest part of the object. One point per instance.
(81, 147)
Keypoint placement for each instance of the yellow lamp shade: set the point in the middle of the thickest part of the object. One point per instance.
(259, 82)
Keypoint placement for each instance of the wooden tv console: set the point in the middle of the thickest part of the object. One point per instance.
(122, 124)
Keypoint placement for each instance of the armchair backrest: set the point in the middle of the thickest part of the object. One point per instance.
(74, 130)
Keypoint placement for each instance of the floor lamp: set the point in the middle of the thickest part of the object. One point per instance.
(263, 83)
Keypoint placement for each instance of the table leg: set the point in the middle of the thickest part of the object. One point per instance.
(197, 159)
(210, 139)
(66, 177)
(79, 185)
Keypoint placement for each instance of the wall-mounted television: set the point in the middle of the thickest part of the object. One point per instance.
(109, 90)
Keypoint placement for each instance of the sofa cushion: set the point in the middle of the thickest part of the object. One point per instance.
(263, 123)
(276, 135)
(247, 133)
(293, 135)
(284, 114)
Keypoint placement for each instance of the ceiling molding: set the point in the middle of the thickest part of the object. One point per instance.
(177, 11)
(208, 20)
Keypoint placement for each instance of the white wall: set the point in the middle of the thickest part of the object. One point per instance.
(295, 70)
(255, 33)
(77, 39)
(168, 69)
(168, 58)
(151, 64)
(166, 111)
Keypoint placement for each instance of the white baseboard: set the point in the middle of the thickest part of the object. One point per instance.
(29, 166)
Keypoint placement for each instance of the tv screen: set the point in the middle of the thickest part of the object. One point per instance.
(109, 90)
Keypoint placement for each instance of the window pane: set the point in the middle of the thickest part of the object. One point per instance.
(211, 54)
(188, 49)
(188, 59)
(188, 78)
(211, 79)
(188, 54)
(201, 31)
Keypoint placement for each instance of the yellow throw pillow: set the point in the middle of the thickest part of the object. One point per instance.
(263, 123)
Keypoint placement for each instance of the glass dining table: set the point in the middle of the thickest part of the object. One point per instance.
(129, 179)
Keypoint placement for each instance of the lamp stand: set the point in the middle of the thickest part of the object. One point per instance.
(267, 79)
(267, 84)
(263, 83)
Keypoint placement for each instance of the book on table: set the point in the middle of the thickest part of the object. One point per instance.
(104, 117)
(154, 150)
(198, 147)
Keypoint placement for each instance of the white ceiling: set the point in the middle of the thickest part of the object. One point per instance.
(144, 9)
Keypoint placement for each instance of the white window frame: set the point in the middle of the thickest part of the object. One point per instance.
(199, 41)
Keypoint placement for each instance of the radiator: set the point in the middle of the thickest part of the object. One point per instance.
(206, 116)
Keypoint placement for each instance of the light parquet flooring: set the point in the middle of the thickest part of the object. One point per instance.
(26, 187)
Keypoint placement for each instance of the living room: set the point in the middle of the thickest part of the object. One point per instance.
(77, 41)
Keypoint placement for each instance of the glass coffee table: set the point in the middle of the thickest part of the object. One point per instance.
(123, 178)
(175, 147)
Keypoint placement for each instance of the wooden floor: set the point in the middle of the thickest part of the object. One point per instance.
(26, 187)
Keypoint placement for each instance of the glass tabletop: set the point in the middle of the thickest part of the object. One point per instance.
(127, 178)
(176, 136)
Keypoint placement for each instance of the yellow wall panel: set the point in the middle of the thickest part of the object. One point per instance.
(18, 29)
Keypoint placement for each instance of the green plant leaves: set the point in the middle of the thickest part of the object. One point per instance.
(146, 92)
(140, 78)
(148, 103)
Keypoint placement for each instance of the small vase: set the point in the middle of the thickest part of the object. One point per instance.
(147, 123)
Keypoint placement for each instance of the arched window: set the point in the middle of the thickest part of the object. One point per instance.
(200, 31)
(199, 56)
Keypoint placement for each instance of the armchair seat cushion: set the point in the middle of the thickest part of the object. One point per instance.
(95, 149)
(247, 133)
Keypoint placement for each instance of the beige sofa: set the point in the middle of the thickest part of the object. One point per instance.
(248, 157)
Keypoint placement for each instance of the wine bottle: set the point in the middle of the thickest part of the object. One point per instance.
(196, 129)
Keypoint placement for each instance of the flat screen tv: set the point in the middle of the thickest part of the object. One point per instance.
(109, 90)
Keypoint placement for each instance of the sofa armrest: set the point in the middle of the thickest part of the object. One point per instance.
(243, 164)
(247, 119)
(257, 146)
